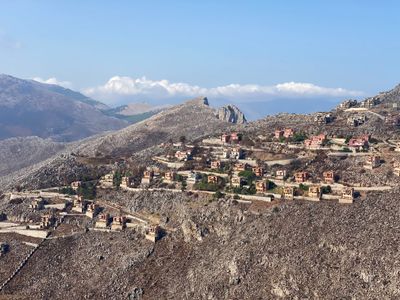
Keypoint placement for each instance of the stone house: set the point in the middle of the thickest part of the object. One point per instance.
(107, 181)
(301, 177)
(329, 176)
(280, 174)
(47, 221)
(37, 203)
(288, 192)
(261, 186)
(314, 192)
(153, 233)
(347, 195)
(258, 171)
(127, 182)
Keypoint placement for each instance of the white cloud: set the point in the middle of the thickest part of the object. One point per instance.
(53, 80)
(8, 42)
(118, 88)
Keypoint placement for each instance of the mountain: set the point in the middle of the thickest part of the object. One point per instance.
(231, 114)
(135, 112)
(30, 108)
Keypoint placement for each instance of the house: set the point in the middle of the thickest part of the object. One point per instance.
(258, 171)
(193, 178)
(347, 104)
(147, 177)
(261, 186)
(212, 179)
(103, 221)
(329, 176)
(118, 223)
(392, 120)
(216, 164)
(183, 155)
(153, 233)
(359, 143)
(239, 167)
(91, 210)
(47, 221)
(288, 132)
(314, 192)
(37, 203)
(373, 162)
(280, 174)
(347, 195)
(76, 185)
(237, 181)
(126, 182)
(315, 141)
(169, 176)
(278, 134)
(288, 192)
(301, 177)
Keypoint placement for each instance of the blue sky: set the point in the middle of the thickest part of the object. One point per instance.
(352, 45)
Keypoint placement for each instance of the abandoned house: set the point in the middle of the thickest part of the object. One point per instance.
(47, 221)
(37, 204)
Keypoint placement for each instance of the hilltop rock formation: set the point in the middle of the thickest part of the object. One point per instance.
(231, 114)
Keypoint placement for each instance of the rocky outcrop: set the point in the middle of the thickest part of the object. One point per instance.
(231, 114)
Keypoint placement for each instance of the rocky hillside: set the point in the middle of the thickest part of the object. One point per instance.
(18, 153)
(29, 108)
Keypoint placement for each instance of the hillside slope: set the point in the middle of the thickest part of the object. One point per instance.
(29, 108)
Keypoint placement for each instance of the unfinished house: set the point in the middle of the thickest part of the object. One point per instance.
(261, 187)
(118, 223)
(314, 192)
(329, 177)
(107, 181)
(147, 177)
(212, 179)
(127, 182)
(300, 177)
(193, 178)
(103, 221)
(347, 104)
(372, 162)
(288, 192)
(357, 120)
(216, 164)
(322, 119)
(370, 102)
(153, 233)
(258, 171)
(47, 221)
(169, 177)
(280, 174)
(237, 181)
(347, 195)
(79, 204)
(396, 168)
(37, 204)
(92, 210)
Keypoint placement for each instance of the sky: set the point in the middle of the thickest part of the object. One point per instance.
(301, 55)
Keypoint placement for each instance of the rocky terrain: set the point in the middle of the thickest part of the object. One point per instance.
(231, 114)
(30, 108)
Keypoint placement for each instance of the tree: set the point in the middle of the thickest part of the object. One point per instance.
(182, 139)
(117, 179)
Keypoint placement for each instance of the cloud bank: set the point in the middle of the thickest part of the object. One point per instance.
(119, 89)
(53, 80)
